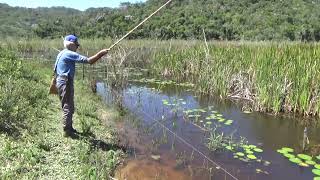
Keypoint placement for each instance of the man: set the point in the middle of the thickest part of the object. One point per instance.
(65, 70)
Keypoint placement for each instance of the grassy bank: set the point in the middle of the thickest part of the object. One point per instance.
(31, 137)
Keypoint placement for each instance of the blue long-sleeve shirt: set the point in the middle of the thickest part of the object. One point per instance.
(65, 62)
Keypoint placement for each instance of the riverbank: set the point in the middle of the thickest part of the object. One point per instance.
(31, 133)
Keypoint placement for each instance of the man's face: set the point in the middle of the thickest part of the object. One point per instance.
(75, 46)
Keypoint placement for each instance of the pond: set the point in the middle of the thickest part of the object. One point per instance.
(178, 134)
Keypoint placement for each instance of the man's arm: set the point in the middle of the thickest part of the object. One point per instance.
(97, 56)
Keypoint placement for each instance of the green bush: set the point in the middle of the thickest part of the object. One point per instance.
(22, 95)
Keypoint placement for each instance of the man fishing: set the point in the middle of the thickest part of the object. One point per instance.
(65, 71)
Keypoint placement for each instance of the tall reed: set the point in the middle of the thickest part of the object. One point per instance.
(273, 76)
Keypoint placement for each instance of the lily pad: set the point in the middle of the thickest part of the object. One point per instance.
(209, 122)
(228, 122)
(304, 157)
(249, 152)
(310, 162)
(316, 178)
(258, 150)
(282, 151)
(251, 156)
(318, 157)
(240, 154)
(304, 164)
(288, 155)
(295, 160)
(251, 146)
(287, 149)
(236, 157)
(316, 172)
(317, 166)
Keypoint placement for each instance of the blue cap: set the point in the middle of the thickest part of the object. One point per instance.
(72, 38)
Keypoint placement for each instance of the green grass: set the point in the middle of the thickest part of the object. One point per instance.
(31, 136)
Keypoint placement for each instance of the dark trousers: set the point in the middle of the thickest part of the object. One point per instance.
(66, 95)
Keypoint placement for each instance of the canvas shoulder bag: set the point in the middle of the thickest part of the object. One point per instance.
(53, 88)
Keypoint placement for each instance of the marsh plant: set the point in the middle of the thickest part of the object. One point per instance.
(219, 141)
(270, 76)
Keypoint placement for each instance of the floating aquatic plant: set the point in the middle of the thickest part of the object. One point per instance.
(251, 156)
(310, 162)
(281, 151)
(249, 152)
(288, 155)
(304, 157)
(258, 150)
(240, 154)
(221, 120)
(317, 166)
(316, 172)
(287, 149)
(304, 164)
(229, 148)
(227, 124)
(295, 160)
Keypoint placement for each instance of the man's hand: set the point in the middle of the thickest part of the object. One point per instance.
(104, 51)
(97, 56)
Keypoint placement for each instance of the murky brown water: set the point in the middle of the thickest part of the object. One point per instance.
(159, 153)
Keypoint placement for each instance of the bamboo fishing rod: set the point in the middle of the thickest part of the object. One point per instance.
(139, 24)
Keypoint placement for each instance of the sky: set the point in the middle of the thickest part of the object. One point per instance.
(76, 4)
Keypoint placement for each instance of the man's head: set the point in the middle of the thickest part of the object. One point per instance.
(71, 42)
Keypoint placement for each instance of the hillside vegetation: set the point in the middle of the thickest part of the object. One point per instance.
(182, 19)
